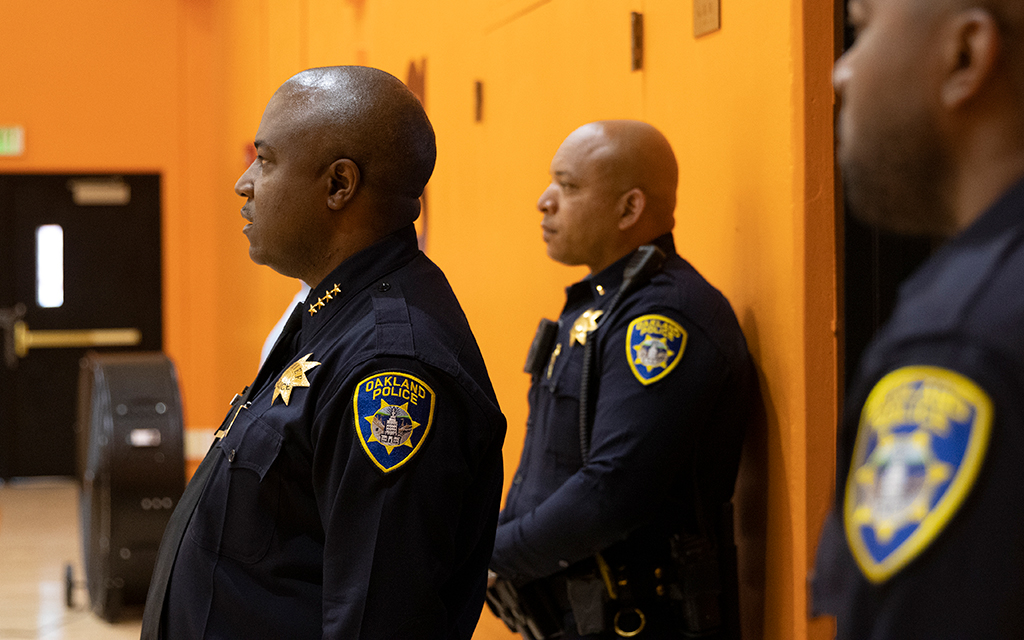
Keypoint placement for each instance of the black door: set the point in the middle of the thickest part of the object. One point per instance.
(79, 270)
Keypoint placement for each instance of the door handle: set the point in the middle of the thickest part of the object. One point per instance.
(19, 339)
(8, 318)
(25, 339)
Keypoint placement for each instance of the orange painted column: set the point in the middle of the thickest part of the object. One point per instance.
(820, 32)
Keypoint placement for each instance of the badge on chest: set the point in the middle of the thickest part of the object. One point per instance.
(393, 414)
(921, 440)
(294, 376)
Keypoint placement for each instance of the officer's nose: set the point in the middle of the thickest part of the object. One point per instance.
(546, 203)
(841, 75)
(244, 185)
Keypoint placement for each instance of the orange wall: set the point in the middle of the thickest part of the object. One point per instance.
(179, 86)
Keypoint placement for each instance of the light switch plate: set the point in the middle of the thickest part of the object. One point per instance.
(706, 17)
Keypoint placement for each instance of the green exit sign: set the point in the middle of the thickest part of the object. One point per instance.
(12, 141)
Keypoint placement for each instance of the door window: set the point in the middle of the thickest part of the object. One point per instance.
(49, 266)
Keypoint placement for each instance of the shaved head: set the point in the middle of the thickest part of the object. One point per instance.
(370, 117)
(1009, 14)
(613, 189)
(636, 155)
(342, 156)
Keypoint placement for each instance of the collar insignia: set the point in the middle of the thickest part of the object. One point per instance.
(293, 376)
(393, 414)
(584, 324)
(921, 441)
(322, 302)
(654, 346)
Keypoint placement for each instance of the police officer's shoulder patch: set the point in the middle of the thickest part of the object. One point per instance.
(921, 440)
(393, 413)
(654, 346)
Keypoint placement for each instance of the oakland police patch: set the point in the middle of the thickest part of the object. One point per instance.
(393, 412)
(922, 437)
(654, 346)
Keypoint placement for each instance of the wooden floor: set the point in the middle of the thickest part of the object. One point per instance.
(39, 536)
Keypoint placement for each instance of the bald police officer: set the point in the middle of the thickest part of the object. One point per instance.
(617, 521)
(926, 539)
(353, 488)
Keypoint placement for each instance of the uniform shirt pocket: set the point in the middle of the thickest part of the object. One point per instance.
(566, 369)
(239, 507)
(561, 411)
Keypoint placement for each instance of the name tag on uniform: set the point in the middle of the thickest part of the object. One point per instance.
(922, 437)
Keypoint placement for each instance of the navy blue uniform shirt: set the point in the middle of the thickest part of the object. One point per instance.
(669, 418)
(927, 536)
(365, 505)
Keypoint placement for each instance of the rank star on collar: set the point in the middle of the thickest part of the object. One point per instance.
(293, 376)
(322, 302)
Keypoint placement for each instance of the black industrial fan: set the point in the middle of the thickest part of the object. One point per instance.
(131, 464)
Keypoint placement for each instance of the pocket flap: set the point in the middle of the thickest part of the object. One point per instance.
(251, 444)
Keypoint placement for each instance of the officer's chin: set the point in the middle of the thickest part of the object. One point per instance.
(560, 257)
(256, 255)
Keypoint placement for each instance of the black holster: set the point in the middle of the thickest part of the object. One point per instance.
(692, 580)
(526, 610)
(697, 591)
(707, 601)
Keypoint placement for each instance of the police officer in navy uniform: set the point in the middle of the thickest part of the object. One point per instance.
(632, 449)
(926, 539)
(352, 490)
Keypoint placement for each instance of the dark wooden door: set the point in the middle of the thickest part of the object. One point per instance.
(79, 270)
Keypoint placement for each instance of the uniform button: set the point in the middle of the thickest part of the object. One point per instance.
(517, 480)
(564, 564)
(384, 286)
(231, 456)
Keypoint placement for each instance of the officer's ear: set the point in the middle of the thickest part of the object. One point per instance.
(970, 55)
(631, 206)
(344, 178)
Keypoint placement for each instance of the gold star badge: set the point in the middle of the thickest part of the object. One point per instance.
(899, 480)
(584, 325)
(392, 426)
(293, 376)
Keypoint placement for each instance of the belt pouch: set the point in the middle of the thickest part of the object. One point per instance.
(586, 599)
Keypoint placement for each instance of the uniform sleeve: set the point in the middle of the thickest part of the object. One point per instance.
(960, 557)
(644, 437)
(408, 524)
